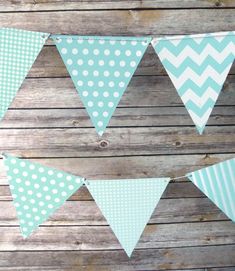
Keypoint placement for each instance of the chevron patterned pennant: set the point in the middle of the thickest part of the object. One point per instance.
(198, 66)
(101, 69)
(127, 205)
(217, 182)
(18, 51)
(37, 191)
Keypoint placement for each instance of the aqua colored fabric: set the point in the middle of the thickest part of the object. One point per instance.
(198, 66)
(101, 69)
(18, 51)
(127, 205)
(217, 182)
(37, 191)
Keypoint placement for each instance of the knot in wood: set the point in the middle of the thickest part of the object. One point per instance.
(207, 156)
(218, 3)
(75, 123)
(177, 143)
(104, 144)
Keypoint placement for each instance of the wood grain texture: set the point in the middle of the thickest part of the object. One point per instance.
(150, 135)
(86, 213)
(123, 22)
(50, 64)
(143, 91)
(128, 167)
(42, 5)
(154, 259)
(131, 117)
(174, 190)
(116, 141)
(102, 237)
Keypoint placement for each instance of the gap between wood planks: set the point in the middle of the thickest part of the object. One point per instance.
(33, 6)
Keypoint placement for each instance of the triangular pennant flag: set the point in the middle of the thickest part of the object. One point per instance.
(101, 69)
(18, 51)
(198, 66)
(127, 205)
(37, 191)
(217, 182)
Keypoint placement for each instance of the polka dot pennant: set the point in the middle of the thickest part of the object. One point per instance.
(37, 191)
(127, 205)
(18, 51)
(101, 69)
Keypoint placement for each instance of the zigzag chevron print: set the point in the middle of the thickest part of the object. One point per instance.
(217, 182)
(198, 66)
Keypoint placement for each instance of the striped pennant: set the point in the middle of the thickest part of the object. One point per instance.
(217, 182)
(198, 66)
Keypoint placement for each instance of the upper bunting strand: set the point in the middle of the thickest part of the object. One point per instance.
(102, 67)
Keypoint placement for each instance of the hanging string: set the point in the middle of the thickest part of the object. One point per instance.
(83, 37)
(180, 177)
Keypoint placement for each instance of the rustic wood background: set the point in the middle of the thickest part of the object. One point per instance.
(150, 135)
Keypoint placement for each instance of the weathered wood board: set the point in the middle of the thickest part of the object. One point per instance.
(150, 135)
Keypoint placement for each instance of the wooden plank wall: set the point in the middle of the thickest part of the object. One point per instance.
(150, 135)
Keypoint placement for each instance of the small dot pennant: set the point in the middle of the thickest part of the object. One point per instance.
(37, 191)
(127, 205)
(101, 69)
(18, 51)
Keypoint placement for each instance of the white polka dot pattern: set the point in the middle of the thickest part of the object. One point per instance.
(127, 205)
(18, 51)
(37, 191)
(101, 69)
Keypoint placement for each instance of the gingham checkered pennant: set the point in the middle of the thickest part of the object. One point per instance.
(18, 51)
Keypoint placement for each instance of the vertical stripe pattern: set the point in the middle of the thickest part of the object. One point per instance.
(217, 182)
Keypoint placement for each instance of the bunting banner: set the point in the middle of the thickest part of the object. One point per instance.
(217, 182)
(18, 51)
(37, 191)
(101, 69)
(198, 66)
(127, 205)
